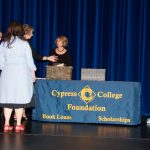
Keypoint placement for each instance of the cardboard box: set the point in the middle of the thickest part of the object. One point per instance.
(93, 74)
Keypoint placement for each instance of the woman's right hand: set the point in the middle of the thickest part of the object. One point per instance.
(52, 58)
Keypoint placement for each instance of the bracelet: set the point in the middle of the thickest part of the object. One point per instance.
(45, 58)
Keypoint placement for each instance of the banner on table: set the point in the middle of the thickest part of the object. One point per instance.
(108, 102)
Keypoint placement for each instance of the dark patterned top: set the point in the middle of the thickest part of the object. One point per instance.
(62, 58)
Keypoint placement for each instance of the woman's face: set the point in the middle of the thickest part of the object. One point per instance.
(29, 35)
(59, 43)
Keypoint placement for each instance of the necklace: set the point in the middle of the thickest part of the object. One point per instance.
(60, 50)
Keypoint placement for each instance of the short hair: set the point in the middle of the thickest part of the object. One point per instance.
(27, 28)
(64, 39)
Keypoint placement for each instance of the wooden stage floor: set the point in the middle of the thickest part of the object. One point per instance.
(73, 136)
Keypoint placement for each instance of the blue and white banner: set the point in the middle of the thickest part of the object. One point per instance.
(109, 102)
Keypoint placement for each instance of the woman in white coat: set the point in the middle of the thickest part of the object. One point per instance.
(17, 77)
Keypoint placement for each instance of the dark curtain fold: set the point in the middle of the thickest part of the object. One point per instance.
(111, 34)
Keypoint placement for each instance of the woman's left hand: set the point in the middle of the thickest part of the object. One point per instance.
(33, 76)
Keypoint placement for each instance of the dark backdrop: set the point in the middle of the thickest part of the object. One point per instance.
(111, 34)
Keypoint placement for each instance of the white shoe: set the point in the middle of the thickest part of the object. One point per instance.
(148, 121)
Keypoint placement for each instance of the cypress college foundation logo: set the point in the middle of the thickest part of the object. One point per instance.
(87, 94)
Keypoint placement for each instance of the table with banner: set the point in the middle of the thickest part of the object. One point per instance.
(102, 102)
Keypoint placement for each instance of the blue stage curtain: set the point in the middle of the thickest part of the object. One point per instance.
(111, 34)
